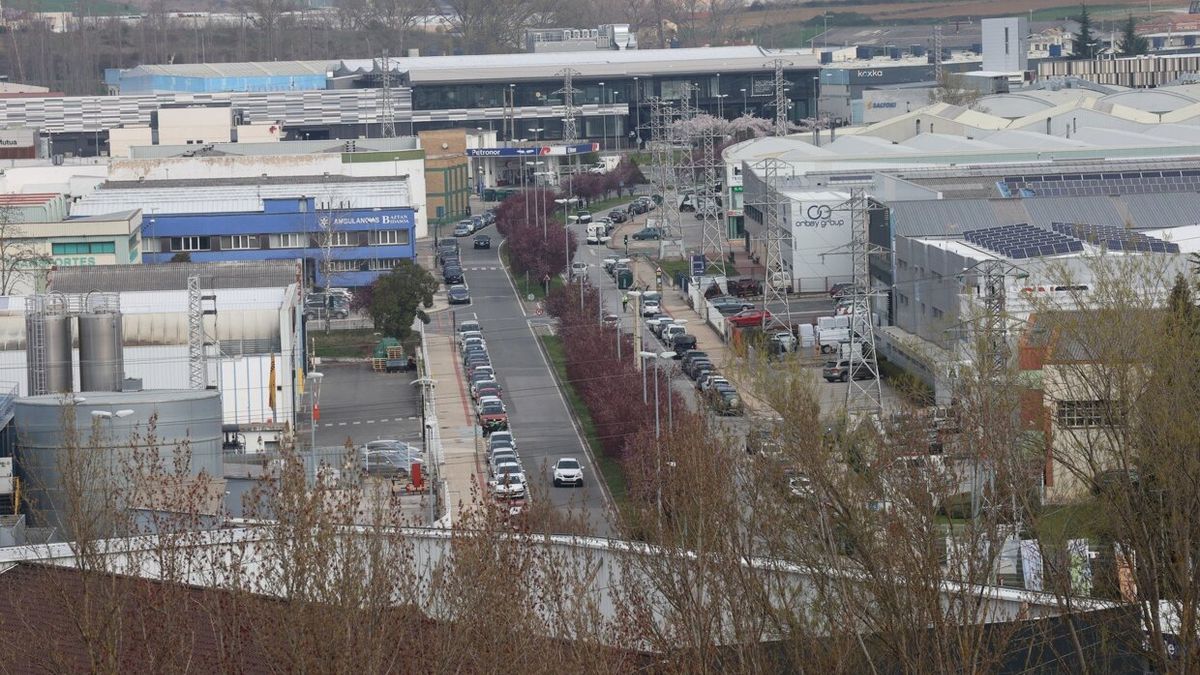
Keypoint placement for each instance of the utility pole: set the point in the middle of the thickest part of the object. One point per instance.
(937, 54)
(703, 175)
(387, 103)
(568, 91)
(664, 174)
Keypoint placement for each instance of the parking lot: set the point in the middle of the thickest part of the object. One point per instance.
(360, 405)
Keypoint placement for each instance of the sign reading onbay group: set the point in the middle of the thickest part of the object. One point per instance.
(820, 231)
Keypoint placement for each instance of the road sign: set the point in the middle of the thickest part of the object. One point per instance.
(698, 265)
(540, 310)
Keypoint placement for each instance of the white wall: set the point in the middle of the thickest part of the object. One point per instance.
(75, 179)
(820, 229)
(180, 126)
(266, 132)
(1005, 44)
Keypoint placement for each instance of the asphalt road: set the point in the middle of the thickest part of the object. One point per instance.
(360, 405)
(538, 413)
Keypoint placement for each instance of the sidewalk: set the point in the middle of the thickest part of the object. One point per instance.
(461, 468)
(707, 338)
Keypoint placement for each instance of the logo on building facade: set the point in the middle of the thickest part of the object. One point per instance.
(820, 216)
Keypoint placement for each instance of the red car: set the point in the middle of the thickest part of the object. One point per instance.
(750, 317)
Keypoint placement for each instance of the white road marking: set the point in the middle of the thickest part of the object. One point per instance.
(369, 422)
(341, 424)
(356, 422)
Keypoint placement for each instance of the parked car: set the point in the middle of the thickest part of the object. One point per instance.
(745, 287)
(568, 471)
(502, 438)
(458, 294)
(463, 230)
(486, 388)
(648, 234)
(683, 344)
(492, 415)
(657, 324)
(470, 326)
(669, 333)
(840, 370)
(688, 358)
(326, 306)
(483, 241)
(509, 482)
(579, 270)
(477, 223)
(617, 216)
(388, 458)
(651, 308)
(750, 317)
(725, 400)
(452, 275)
(582, 216)
(609, 262)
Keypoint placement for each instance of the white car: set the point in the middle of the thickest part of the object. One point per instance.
(568, 471)
(669, 333)
(508, 481)
(579, 269)
(651, 308)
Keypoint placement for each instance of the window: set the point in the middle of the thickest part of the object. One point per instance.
(239, 242)
(903, 299)
(190, 244)
(83, 248)
(389, 237)
(383, 264)
(345, 265)
(289, 240)
(937, 313)
(1084, 414)
(339, 239)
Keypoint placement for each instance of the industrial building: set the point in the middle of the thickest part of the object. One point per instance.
(1109, 165)
(494, 91)
(349, 216)
(128, 327)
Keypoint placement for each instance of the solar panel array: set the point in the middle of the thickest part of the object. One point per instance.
(1115, 238)
(1106, 183)
(1023, 241)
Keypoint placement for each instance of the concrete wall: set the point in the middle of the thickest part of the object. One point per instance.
(1006, 44)
(181, 126)
(122, 139)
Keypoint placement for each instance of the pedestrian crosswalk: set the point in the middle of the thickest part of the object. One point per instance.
(482, 268)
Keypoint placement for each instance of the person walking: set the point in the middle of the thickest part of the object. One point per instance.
(625, 302)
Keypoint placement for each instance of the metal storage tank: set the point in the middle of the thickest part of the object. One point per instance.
(48, 353)
(101, 358)
(103, 428)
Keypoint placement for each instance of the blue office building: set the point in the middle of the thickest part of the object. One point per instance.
(348, 231)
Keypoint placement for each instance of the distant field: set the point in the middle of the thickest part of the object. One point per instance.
(903, 12)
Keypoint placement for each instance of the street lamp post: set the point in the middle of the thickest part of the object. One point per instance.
(658, 357)
(721, 105)
(637, 96)
(745, 106)
(603, 120)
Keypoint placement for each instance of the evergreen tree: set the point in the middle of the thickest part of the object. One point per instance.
(1132, 44)
(1082, 42)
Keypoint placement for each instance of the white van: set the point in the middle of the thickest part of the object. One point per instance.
(597, 233)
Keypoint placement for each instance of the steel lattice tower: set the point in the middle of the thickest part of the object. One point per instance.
(776, 277)
(864, 398)
(664, 173)
(707, 170)
(199, 340)
(937, 54)
(387, 104)
(994, 359)
(568, 91)
(781, 100)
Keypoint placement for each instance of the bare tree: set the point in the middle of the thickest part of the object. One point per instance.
(487, 26)
(19, 255)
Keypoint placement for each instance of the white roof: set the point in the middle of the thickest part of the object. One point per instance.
(157, 302)
(599, 63)
(241, 198)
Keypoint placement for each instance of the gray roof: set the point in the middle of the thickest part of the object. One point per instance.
(243, 196)
(242, 69)
(174, 276)
(941, 217)
(402, 143)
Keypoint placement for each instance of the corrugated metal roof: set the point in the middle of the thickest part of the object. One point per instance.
(1163, 209)
(530, 65)
(1093, 210)
(243, 198)
(936, 217)
(174, 276)
(243, 69)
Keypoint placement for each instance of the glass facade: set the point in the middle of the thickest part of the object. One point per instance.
(728, 95)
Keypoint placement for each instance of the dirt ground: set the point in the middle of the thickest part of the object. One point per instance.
(885, 12)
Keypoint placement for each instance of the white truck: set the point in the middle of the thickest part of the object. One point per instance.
(598, 233)
(605, 164)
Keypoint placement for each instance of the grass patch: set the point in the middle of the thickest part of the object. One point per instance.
(525, 288)
(608, 468)
(1059, 523)
(345, 344)
(913, 389)
(675, 266)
